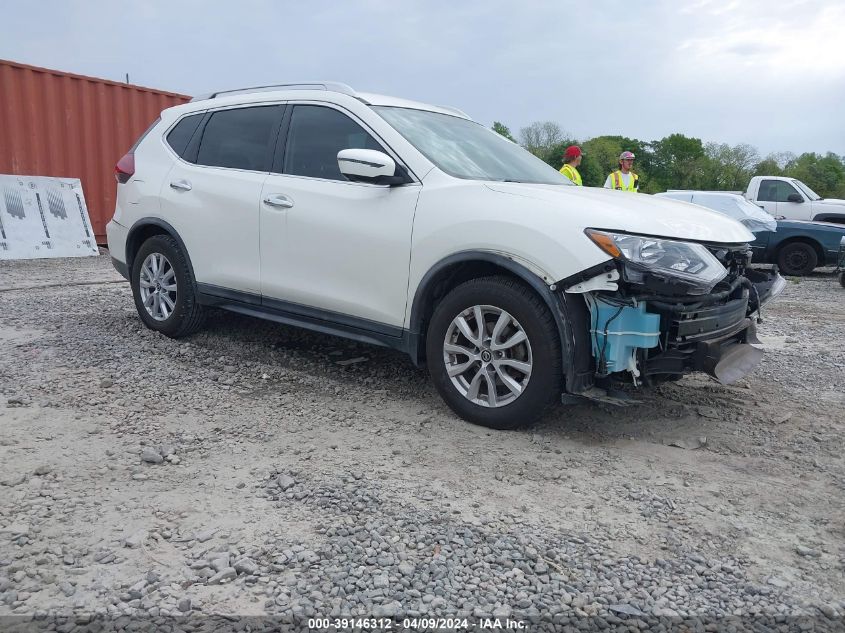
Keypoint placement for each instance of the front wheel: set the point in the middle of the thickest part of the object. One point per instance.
(494, 354)
(797, 258)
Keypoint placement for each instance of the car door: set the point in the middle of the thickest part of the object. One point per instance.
(340, 247)
(211, 196)
(774, 198)
(767, 196)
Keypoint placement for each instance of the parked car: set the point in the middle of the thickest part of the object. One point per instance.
(409, 225)
(840, 266)
(792, 199)
(796, 247)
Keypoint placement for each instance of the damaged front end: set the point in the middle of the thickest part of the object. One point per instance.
(662, 308)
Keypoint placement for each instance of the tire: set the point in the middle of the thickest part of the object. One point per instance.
(532, 367)
(842, 279)
(797, 259)
(171, 304)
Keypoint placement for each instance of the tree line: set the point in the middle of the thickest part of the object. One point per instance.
(681, 162)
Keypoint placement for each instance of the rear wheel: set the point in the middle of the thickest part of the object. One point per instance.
(842, 279)
(493, 353)
(163, 288)
(797, 258)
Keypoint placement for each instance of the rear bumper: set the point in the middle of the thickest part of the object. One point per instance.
(116, 235)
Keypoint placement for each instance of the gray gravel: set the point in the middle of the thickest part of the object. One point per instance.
(261, 470)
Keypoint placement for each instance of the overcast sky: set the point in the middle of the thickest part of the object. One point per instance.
(771, 74)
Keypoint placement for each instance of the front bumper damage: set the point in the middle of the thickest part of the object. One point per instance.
(653, 330)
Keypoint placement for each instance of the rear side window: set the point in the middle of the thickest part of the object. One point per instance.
(240, 138)
(180, 135)
(316, 135)
(722, 204)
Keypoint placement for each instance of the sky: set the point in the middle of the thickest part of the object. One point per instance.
(769, 74)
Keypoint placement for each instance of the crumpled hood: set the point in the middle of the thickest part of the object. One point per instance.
(633, 212)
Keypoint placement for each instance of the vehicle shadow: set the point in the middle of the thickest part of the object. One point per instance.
(677, 412)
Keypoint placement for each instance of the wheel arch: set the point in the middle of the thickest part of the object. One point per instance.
(805, 239)
(569, 312)
(834, 218)
(146, 228)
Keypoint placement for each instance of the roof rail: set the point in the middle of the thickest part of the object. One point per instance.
(331, 86)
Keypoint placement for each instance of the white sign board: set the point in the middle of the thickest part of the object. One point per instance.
(44, 217)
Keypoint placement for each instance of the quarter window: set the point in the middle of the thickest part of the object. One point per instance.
(180, 135)
(316, 135)
(240, 138)
(775, 191)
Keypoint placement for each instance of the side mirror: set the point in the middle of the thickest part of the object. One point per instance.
(369, 165)
(794, 197)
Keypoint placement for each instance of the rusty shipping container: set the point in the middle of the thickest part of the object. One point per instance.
(54, 123)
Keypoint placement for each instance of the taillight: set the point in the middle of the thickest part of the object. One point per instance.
(125, 168)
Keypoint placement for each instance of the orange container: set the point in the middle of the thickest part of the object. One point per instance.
(59, 124)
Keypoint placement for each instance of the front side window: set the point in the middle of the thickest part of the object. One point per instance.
(316, 135)
(180, 135)
(466, 149)
(240, 138)
(775, 191)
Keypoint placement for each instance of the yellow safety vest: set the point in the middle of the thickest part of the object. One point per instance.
(619, 185)
(570, 172)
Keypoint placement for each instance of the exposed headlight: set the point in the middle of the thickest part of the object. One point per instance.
(688, 261)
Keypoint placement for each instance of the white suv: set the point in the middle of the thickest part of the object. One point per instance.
(409, 225)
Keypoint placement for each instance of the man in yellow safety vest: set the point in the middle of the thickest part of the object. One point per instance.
(623, 179)
(571, 160)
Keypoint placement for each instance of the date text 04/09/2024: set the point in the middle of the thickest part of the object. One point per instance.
(329, 624)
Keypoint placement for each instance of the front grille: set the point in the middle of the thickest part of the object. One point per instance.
(706, 322)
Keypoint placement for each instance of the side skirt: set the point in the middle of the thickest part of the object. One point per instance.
(315, 319)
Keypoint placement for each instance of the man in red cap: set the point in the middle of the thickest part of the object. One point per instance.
(571, 160)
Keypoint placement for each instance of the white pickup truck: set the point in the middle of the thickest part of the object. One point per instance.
(792, 199)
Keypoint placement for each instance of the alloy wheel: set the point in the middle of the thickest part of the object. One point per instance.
(157, 284)
(487, 355)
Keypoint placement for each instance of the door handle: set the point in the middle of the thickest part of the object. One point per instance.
(278, 200)
(181, 185)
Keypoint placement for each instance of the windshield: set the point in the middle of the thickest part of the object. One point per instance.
(810, 193)
(466, 149)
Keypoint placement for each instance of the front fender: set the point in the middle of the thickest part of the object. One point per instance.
(569, 311)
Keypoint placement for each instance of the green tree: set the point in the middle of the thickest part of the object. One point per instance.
(681, 162)
(677, 162)
(731, 167)
(501, 128)
(769, 166)
(601, 156)
(823, 174)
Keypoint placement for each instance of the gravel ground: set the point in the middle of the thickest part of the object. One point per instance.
(261, 470)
